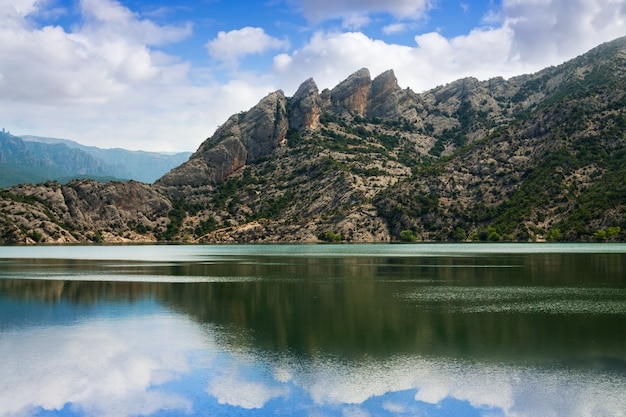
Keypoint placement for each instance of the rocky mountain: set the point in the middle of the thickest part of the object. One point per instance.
(535, 157)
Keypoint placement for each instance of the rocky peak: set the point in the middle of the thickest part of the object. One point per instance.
(264, 126)
(305, 106)
(384, 83)
(242, 139)
(385, 97)
(351, 95)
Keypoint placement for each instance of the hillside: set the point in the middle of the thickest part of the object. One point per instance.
(535, 157)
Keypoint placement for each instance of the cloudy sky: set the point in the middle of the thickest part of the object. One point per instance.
(163, 74)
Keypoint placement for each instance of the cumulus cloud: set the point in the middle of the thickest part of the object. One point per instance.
(521, 37)
(331, 57)
(95, 62)
(502, 390)
(553, 29)
(320, 10)
(107, 18)
(104, 82)
(230, 46)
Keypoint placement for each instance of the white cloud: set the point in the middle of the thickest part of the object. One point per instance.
(20, 7)
(503, 390)
(395, 28)
(96, 62)
(331, 57)
(108, 18)
(103, 83)
(526, 37)
(230, 46)
(232, 389)
(549, 30)
(320, 10)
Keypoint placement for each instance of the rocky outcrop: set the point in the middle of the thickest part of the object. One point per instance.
(306, 107)
(387, 100)
(351, 96)
(82, 211)
(259, 131)
(241, 140)
(265, 126)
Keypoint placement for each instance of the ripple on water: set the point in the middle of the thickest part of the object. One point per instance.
(547, 300)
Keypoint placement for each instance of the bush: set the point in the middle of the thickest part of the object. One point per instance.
(407, 236)
(330, 236)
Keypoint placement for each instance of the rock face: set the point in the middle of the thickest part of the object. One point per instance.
(258, 132)
(242, 139)
(82, 211)
(536, 157)
(351, 95)
(306, 107)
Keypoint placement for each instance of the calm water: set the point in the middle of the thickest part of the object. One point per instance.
(313, 330)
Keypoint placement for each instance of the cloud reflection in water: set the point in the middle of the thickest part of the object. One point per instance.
(166, 364)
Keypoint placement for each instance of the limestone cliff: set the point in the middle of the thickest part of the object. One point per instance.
(242, 139)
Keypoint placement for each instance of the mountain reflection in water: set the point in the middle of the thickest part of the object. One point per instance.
(516, 334)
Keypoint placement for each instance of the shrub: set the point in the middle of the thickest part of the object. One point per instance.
(330, 236)
(407, 236)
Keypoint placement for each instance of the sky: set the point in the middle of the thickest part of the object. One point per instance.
(162, 75)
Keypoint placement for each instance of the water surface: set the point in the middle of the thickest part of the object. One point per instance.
(313, 330)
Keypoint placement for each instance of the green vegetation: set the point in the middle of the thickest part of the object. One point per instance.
(407, 236)
(176, 216)
(272, 208)
(330, 236)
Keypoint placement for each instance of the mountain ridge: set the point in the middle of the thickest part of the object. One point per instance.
(123, 164)
(536, 157)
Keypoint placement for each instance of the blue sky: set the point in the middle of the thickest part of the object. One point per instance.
(163, 75)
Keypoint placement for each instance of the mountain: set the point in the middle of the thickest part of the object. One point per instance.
(124, 164)
(26, 162)
(536, 157)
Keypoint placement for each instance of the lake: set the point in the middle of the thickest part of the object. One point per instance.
(313, 330)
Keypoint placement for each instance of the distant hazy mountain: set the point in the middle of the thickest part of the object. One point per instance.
(137, 165)
(32, 162)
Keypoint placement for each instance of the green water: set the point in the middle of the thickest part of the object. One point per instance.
(519, 330)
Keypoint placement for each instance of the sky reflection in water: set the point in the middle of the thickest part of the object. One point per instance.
(162, 363)
(136, 355)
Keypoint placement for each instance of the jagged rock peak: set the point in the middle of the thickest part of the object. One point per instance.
(265, 125)
(351, 95)
(307, 88)
(385, 81)
(386, 97)
(243, 138)
(305, 106)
